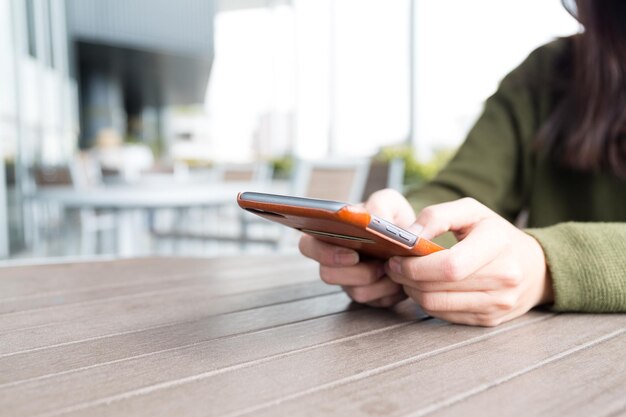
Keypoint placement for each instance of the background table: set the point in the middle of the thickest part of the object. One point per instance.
(264, 337)
(128, 202)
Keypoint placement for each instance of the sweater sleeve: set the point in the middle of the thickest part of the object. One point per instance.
(587, 265)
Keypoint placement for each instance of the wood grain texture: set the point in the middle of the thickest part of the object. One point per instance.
(427, 384)
(263, 336)
(588, 381)
(151, 327)
(45, 363)
(25, 288)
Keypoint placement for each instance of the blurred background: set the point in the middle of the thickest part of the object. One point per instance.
(128, 126)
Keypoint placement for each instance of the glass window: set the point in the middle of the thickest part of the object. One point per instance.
(51, 37)
(317, 79)
(31, 33)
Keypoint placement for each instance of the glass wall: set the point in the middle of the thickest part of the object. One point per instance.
(463, 49)
(38, 121)
(345, 77)
(247, 80)
(312, 78)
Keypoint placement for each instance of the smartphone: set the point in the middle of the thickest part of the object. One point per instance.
(338, 223)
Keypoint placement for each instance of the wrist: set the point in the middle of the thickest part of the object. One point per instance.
(540, 274)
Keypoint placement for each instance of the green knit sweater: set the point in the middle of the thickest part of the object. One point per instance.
(578, 218)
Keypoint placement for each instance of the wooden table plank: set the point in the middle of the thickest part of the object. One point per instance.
(427, 384)
(187, 330)
(218, 287)
(274, 381)
(241, 348)
(202, 360)
(588, 382)
(21, 290)
(180, 304)
(263, 336)
(58, 279)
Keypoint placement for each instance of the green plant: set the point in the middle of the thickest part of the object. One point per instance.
(282, 166)
(416, 171)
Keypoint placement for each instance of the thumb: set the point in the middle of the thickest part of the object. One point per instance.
(458, 216)
(392, 206)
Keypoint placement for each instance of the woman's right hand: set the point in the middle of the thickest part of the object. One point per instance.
(363, 280)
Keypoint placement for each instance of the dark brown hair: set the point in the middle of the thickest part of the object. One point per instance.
(587, 130)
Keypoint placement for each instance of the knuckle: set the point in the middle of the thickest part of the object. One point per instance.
(409, 272)
(328, 275)
(325, 257)
(512, 277)
(430, 303)
(428, 215)
(360, 294)
(453, 268)
(471, 201)
(489, 321)
(505, 239)
(507, 302)
(372, 274)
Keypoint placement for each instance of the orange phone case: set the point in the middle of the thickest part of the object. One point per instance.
(348, 226)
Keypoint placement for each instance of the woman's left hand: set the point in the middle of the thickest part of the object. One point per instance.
(495, 273)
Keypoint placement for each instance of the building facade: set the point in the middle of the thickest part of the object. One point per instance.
(38, 104)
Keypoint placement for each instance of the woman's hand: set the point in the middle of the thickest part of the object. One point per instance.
(364, 281)
(495, 273)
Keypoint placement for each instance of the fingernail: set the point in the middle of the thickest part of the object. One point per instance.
(395, 266)
(344, 256)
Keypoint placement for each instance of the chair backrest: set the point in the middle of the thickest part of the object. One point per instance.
(45, 176)
(252, 172)
(86, 170)
(82, 171)
(339, 180)
(384, 174)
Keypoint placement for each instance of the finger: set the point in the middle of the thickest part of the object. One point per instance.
(367, 293)
(466, 302)
(470, 319)
(468, 285)
(502, 273)
(363, 273)
(485, 242)
(327, 254)
(388, 301)
(390, 205)
(458, 216)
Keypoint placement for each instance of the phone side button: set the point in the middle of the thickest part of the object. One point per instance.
(391, 230)
(410, 239)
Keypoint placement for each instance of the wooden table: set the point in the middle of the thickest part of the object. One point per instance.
(264, 337)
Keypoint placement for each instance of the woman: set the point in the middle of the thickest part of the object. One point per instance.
(551, 143)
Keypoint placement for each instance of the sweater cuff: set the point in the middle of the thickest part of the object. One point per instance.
(586, 263)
